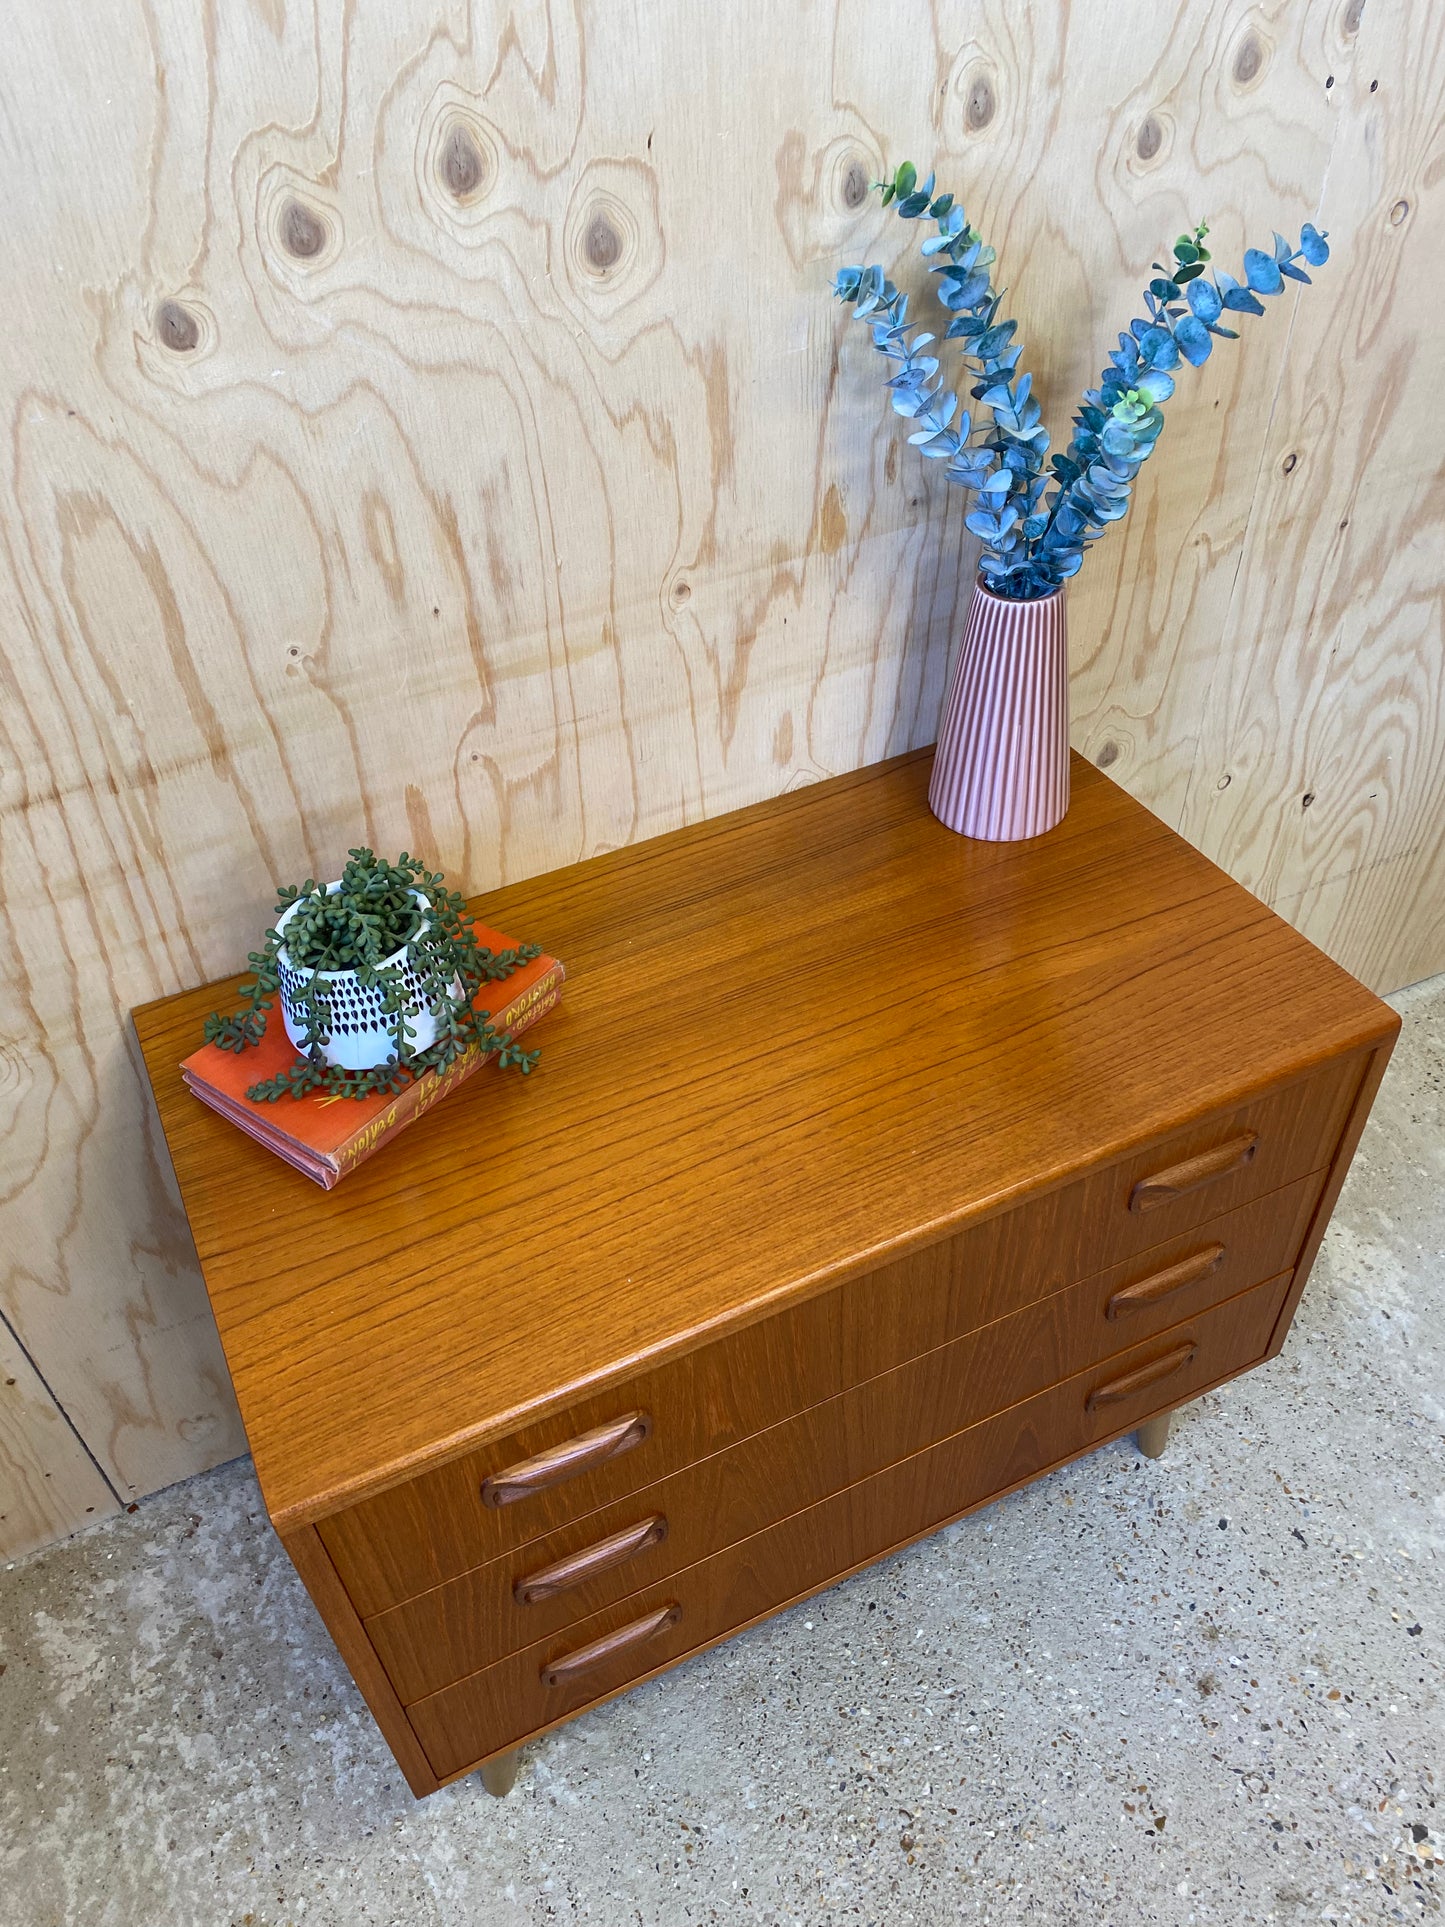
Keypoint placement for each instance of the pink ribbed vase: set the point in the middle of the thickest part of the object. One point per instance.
(1001, 771)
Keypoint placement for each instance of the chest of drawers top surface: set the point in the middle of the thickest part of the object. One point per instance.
(795, 1042)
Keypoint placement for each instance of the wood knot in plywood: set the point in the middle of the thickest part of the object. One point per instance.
(301, 228)
(177, 328)
(612, 243)
(182, 332)
(855, 184)
(1249, 59)
(458, 165)
(823, 194)
(979, 105)
(602, 244)
(464, 169)
(304, 231)
(975, 96)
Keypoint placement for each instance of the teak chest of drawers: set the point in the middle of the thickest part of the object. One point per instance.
(869, 1172)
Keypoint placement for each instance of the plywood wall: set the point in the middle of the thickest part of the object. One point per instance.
(49, 1484)
(427, 425)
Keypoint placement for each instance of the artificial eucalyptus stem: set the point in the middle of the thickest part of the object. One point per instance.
(1031, 544)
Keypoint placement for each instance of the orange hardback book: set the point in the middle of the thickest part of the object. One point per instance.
(326, 1136)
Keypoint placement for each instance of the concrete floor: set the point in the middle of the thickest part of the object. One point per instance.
(1203, 1689)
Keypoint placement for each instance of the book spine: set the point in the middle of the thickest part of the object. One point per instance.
(515, 1017)
(309, 1163)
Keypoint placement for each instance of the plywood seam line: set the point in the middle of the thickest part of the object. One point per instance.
(19, 1343)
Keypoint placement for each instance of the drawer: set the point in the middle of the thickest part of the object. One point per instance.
(419, 1535)
(554, 1678)
(467, 1624)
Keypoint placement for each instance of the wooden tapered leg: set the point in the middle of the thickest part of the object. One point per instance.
(499, 1775)
(1153, 1435)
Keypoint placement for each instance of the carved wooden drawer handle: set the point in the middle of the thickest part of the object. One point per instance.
(558, 1672)
(1163, 1284)
(1172, 1183)
(579, 1566)
(566, 1461)
(1142, 1375)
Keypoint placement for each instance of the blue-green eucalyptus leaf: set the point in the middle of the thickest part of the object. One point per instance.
(1205, 300)
(1116, 439)
(1193, 340)
(1158, 349)
(1261, 271)
(1031, 547)
(994, 340)
(964, 293)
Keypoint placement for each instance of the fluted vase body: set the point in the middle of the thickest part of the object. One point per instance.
(1001, 771)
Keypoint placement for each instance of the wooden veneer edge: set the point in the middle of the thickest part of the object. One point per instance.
(308, 1554)
(1355, 1122)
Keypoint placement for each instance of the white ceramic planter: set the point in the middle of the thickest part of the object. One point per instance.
(360, 1037)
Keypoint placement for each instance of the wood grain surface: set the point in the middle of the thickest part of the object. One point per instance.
(796, 1043)
(508, 1701)
(428, 1641)
(1321, 776)
(417, 1535)
(426, 425)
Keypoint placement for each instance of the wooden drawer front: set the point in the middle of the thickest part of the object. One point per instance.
(461, 1627)
(418, 1536)
(663, 1623)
